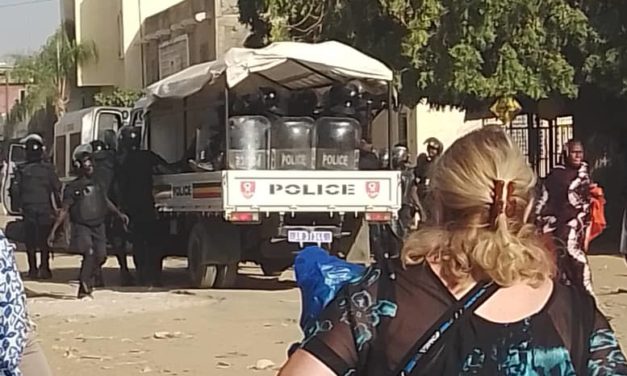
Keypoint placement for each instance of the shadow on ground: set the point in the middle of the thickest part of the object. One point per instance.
(174, 280)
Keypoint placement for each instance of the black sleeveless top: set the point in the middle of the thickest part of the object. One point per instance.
(372, 324)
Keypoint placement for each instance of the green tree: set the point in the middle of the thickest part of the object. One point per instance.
(450, 51)
(118, 98)
(50, 72)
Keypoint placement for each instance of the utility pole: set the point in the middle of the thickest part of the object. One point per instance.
(6, 95)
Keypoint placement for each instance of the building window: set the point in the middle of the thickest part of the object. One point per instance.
(402, 128)
(173, 56)
(22, 95)
(59, 155)
(120, 36)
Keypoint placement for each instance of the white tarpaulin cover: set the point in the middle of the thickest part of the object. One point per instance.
(293, 65)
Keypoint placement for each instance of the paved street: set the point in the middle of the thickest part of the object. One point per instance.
(190, 332)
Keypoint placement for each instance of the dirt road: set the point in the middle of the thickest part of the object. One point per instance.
(198, 333)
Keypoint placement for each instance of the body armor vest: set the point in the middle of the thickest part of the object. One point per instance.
(104, 168)
(90, 205)
(34, 184)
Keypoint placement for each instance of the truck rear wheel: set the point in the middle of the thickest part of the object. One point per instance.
(227, 275)
(203, 275)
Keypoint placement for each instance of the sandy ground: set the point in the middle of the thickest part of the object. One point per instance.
(173, 331)
(178, 331)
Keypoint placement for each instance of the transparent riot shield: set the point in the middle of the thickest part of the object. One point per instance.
(337, 146)
(249, 143)
(293, 144)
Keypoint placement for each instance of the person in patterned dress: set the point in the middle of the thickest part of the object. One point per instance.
(482, 198)
(20, 354)
(563, 211)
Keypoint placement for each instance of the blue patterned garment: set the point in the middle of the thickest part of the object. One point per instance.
(371, 325)
(14, 321)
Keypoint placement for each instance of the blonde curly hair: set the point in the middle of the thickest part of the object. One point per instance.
(481, 194)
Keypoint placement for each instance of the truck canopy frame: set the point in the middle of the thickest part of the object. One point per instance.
(292, 65)
(289, 65)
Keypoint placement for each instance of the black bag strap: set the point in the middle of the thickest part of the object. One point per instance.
(468, 304)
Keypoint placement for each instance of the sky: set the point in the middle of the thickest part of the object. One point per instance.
(26, 24)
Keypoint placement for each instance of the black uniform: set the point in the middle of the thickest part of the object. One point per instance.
(368, 160)
(37, 185)
(105, 167)
(421, 171)
(136, 183)
(87, 204)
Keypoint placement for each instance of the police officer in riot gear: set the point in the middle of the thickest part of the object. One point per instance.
(135, 179)
(409, 203)
(37, 186)
(424, 163)
(384, 159)
(368, 159)
(86, 202)
(104, 160)
(343, 100)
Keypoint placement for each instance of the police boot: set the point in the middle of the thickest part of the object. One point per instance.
(33, 271)
(84, 291)
(126, 278)
(44, 268)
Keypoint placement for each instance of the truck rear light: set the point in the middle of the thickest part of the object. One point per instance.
(244, 217)
(378, 217)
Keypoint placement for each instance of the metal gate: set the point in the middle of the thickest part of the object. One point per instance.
(541, 141)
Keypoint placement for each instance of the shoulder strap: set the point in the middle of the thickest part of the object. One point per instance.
(468, 304)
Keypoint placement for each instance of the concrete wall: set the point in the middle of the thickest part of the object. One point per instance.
(97, 21)
(13, 93)
(446, 123)
(208, 39)
(115, 26)
(175, 23)
(229, 31)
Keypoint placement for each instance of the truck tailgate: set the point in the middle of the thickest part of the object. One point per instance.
(312, 191)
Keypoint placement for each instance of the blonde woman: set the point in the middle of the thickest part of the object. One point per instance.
(475, 294)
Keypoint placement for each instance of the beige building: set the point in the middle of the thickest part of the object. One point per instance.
(191, 32)
(128, 32)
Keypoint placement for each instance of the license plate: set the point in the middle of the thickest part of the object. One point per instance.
(317, 237)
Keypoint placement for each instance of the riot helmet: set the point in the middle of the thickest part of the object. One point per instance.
(400, 156)
(434, 147)
(343, 99)
(271, 101)
(129, 138)
(34, 145)
(98, 145)
(384, 157)
(82, 159)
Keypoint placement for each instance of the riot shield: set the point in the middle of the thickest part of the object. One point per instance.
(249, 143)
(337, 143)
(293, 144)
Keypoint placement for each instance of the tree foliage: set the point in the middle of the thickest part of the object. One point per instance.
(450, 51)
(118, 98)
(49, 73)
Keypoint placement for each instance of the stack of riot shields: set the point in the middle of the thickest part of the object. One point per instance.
(249, 143)
(337, 143)
(293, 144)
